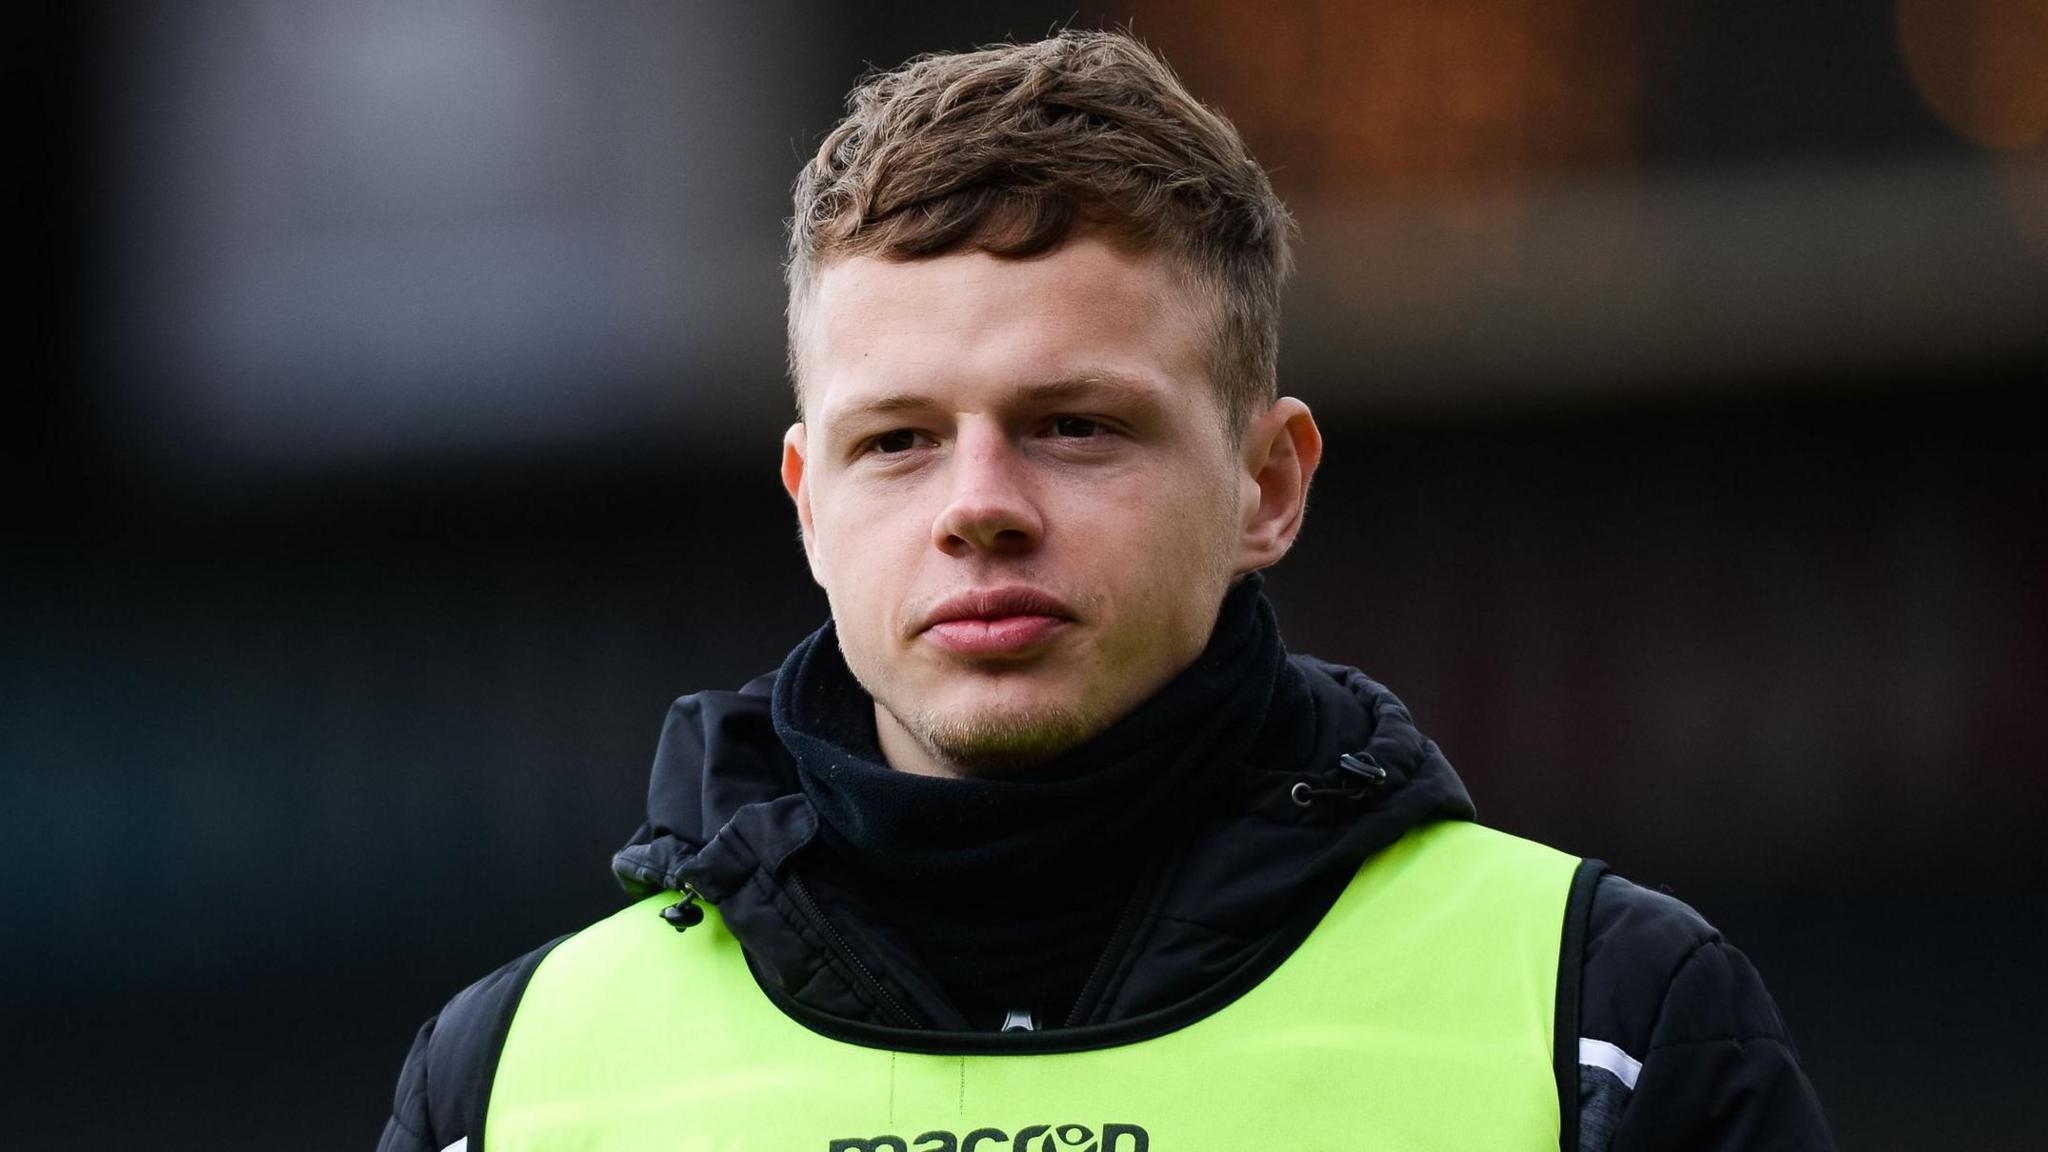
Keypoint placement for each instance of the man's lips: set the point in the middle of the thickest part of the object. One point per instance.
(995, 621)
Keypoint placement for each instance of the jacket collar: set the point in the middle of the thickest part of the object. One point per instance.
(726, 815)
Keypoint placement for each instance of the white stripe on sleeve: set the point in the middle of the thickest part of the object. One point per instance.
(1601, 1054)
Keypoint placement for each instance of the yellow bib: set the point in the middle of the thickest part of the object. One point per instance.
(1416, 1017)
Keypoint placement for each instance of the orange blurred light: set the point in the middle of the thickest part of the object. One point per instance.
(1411, 99)
(1981, 65)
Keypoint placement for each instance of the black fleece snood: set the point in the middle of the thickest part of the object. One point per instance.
(1009, 889)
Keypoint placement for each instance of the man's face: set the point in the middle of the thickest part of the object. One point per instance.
(1018, 490)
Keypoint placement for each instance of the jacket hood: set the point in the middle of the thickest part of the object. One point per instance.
(726, 815)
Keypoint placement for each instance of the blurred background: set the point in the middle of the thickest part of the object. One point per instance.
(394, 436)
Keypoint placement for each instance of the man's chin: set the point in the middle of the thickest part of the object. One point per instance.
(1000, 744)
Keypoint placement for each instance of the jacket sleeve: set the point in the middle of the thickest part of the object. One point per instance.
(409, 1130)
(444, 1089)
(1682, 1048)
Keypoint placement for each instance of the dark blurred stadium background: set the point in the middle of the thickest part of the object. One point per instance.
(395, 428)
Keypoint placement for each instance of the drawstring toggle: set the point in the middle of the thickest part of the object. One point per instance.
(684, 914)
(1363, 776)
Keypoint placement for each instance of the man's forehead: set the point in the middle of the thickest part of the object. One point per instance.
(1086, 315)
(972, 285)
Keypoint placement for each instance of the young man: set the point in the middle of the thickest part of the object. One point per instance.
(1044, 841)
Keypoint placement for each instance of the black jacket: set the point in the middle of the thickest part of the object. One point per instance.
(1667, 1038)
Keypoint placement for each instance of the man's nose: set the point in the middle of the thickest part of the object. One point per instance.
(989, 504)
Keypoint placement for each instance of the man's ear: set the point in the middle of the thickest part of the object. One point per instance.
(1279, 454)
(795, 443)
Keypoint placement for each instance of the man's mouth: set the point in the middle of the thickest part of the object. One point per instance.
(996, 621)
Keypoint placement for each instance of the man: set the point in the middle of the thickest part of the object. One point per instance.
(1044, 841)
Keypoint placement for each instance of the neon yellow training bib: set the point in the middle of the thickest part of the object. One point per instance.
(1417, 1017)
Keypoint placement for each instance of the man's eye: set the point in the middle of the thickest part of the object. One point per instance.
(1076, 427)
(890, 443)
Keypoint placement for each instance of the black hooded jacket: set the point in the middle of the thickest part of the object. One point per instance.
(1667, 1038)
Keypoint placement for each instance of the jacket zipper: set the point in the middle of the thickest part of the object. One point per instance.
(1119, 940)
(846, 954)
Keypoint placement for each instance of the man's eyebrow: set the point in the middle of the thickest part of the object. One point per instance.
(1088, 385)
(882, 405)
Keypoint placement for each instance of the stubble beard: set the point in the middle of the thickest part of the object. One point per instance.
(998, 744)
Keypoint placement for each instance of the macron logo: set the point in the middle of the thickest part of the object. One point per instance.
(1036, 1138)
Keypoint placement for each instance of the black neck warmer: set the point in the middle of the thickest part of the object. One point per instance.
(1009, 888)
